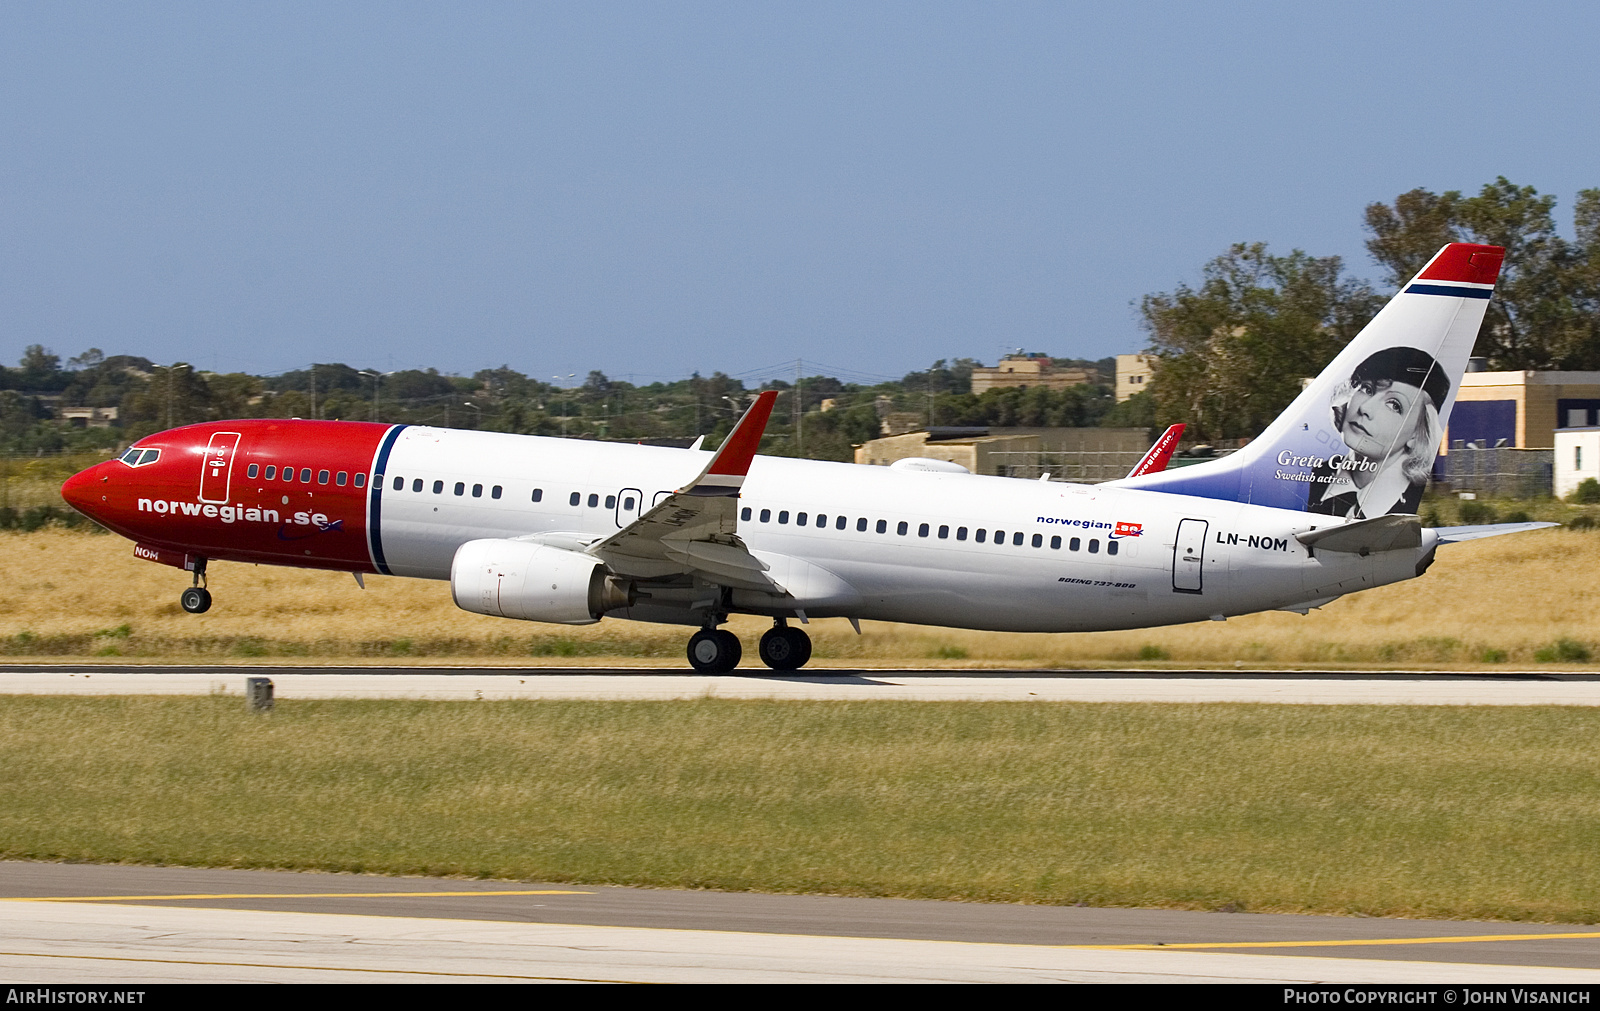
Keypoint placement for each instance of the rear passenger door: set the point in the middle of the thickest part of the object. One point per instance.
(1188, 557)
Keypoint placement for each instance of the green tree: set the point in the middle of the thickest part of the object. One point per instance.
(1233, 351)
(1543, 315)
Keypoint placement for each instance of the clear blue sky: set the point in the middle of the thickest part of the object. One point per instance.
(654, 188)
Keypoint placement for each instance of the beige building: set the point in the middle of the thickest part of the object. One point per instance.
(1521, 410)
(1133, 374)
(1016, 370)
(88, 417)
(1071, 454)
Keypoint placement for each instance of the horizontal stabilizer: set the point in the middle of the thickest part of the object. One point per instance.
(1363, 537)
(1450, 535)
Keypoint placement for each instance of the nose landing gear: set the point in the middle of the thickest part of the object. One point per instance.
(197, 599)
(785, 648)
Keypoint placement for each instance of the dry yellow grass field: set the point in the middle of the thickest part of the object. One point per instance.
(1526, 599)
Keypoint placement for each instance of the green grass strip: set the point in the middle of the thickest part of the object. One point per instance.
(1482, 812)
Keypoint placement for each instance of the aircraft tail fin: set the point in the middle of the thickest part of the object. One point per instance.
(1361, 438)
(1155, 461)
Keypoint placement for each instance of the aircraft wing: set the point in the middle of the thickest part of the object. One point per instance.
(695, 529)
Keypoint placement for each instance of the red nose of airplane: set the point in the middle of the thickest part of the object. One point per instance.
(82, 490)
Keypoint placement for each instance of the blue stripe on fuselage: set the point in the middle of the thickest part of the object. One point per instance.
(375, 501)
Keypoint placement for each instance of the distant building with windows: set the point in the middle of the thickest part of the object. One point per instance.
(1020, 370)
(1521, 410)
(1577, 457)
(1133, 374)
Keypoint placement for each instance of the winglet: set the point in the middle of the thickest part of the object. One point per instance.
(724, 475)
(1155, 461)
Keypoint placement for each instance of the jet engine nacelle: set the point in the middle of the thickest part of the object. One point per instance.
(535, 582)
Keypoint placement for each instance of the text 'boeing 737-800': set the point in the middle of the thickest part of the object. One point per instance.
(1321, 504)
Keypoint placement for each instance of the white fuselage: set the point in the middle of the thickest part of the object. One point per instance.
(1090, 557)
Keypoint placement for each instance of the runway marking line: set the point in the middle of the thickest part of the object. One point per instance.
(312, 968)
(1478, 938)
(270, 895)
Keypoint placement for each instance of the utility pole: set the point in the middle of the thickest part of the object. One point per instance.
(799, 443)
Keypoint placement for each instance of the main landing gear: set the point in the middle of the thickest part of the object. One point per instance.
(785, 648)
(714, 651)
(717, 651)
(197, 599)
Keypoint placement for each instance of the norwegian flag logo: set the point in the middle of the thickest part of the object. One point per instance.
(1128, 529)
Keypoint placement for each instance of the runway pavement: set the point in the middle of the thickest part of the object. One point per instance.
(110, 924)
(1303, 687)
(63, 923)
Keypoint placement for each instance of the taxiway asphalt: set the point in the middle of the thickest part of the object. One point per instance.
(103, 924)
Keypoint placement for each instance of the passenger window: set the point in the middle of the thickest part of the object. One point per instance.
(1074, 544)
(1038, 540)
(883, 526)
(538, 494)
(838, 522)
(611, 501)
(922, 531)
(800, 519)
(999, 536)
(399, 484)
(461, 487)
(1016, 538)
(438, 487)
(766, 515)
(594, 501)
(944, 533)
(783, 515)
(272, 472)
(416, 484)
(1094, 546)
(861, 524)
(744, 513)
(1111, 547)
(961, 533)
(251, 472)
(361, 479)
(305, 475)
(900, 528)
(477, 491)
(979, 534)
(627, 504)
(495, 491)
(341, 477)
(1055, 542)
(575, 499)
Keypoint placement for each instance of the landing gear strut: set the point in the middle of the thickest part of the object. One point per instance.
(197, 599)
(785, 648)
(714, 651)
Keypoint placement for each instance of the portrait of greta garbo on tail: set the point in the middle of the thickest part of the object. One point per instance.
(1387, 415)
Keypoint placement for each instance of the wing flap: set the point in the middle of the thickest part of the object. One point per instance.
(695, 530)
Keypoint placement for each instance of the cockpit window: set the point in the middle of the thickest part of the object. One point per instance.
(139, 456)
